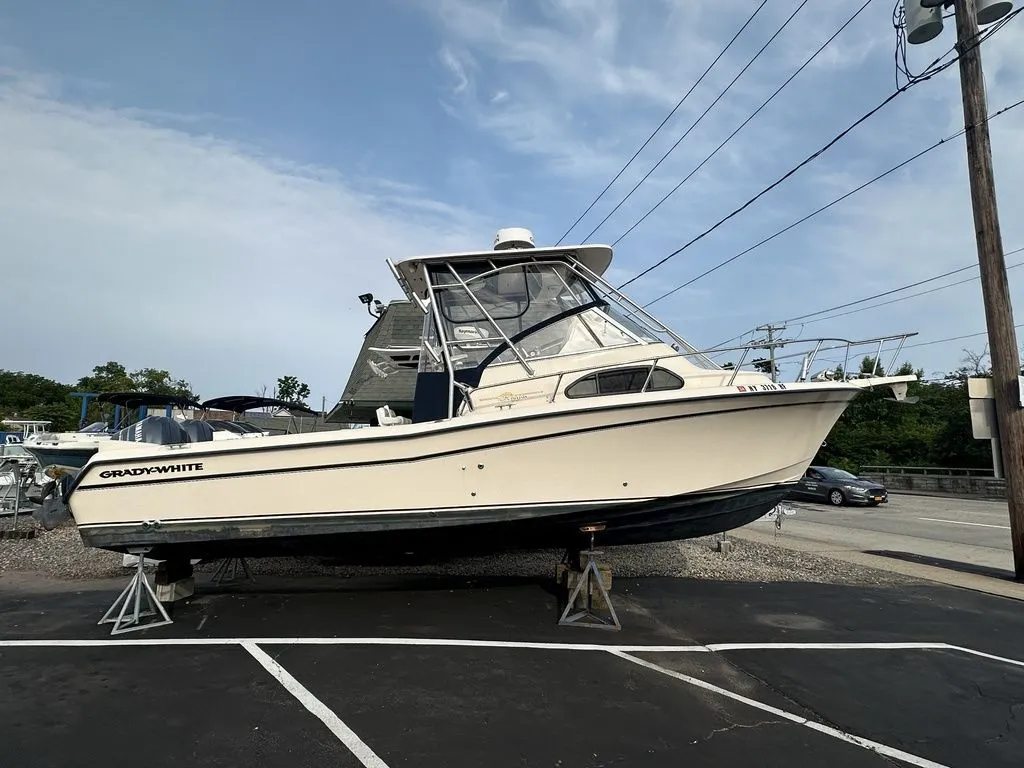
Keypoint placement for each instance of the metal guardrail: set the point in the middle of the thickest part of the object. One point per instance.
(934, 471)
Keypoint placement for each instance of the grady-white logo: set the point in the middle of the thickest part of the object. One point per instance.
(162, 470)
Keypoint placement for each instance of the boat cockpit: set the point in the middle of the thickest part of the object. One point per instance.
(529, 324)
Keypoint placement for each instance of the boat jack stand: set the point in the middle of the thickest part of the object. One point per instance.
(590, 577)
(228, 570)
(128, 606)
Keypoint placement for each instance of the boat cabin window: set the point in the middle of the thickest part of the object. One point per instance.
(622, 381)
(544, 308)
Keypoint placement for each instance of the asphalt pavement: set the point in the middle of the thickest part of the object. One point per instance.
(386, 672)
(966, 535)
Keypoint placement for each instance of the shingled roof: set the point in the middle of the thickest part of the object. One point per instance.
(400, 325)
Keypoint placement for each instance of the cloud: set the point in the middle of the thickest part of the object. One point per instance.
(592, 78)
(455, 66)
(132, 241)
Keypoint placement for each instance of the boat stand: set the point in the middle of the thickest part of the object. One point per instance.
(590, 578)
(227, 571)
(136, 602)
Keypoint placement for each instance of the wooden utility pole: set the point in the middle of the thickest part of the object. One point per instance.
(995, 288)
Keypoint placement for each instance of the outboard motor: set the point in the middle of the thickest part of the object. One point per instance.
(160, 430)
(198, 431)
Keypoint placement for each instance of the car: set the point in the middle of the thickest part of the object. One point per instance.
(838, 487)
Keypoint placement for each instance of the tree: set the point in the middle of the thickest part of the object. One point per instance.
(29, 396)
(291, 389)
(764, 365)
(109, 377)
(114, 377)
(160, 382)
(19, 390)
(976, 363)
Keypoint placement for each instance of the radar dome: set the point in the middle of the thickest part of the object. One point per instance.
(513, 237)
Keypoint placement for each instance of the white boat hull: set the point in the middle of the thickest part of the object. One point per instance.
(651, 467)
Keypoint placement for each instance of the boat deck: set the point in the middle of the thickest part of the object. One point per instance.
(400, 672)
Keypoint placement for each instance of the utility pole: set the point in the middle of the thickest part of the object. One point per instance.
(770, 329)
(994, 285)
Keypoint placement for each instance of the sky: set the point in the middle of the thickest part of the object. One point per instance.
(208, 187)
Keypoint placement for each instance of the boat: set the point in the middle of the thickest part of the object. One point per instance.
(546, 402)
(67, 452)
(242, 404)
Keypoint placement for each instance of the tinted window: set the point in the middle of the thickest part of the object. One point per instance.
(585, 387)
(621, 381)
(662, 379)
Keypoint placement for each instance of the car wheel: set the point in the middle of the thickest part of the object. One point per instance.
(836, 498)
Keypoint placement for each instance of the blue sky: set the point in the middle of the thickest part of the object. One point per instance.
(207, 187)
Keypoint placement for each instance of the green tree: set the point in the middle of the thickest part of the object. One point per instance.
(19, 390)
(30, 396)
(291, 389)
(109, 377)
(764, 365)
(160, 382)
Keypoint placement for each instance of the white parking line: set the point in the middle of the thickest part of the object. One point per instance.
(859, 741)
(964, 522)
(325, 714)
(984, 655)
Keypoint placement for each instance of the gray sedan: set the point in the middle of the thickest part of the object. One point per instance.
(838, 487)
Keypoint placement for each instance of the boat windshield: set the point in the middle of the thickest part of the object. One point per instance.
(544, 309)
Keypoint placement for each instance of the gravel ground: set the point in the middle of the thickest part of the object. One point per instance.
(60, 554)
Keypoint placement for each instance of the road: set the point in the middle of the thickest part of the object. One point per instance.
(965, 533)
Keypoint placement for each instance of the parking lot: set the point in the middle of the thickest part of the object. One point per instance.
(383, 671)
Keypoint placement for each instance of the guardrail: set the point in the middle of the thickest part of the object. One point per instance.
(895, 470)
(938, 481)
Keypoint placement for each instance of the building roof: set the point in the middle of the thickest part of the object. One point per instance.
(401, 325)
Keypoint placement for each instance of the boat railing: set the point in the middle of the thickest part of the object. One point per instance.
(889, 346)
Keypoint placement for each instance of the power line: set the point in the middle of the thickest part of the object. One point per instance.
(662, 124)
(934, 69)
(811, 215)
(904, 298)
(879, 295)
(697, 121)
(754, 114)
(897, 290)
(952, 338)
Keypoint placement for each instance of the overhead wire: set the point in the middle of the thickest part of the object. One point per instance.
(901, 288)
(903, 298)
(696, 122)
(740, 127)
(806, 161)
(814, 213)
(876, 296)
(933, 69)
(661, 125)
(953, 338)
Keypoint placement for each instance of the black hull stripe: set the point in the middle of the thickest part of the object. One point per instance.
(467, 510)
(384, 462)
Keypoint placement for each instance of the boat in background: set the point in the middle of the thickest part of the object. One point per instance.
(242, 404)
(546, 400)
(67, 452)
